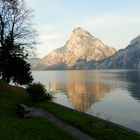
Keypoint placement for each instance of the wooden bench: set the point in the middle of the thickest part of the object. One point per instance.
(24, 111)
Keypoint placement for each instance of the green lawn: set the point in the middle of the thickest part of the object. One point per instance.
(13, 128)
(91, 125)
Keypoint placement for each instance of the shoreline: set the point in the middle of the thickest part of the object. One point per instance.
(112, 123)
(41, 126)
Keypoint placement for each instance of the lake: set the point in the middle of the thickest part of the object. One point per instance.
(113, 95)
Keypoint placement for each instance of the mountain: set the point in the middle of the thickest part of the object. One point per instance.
(81, 48)
(128, 58)
(35, 63)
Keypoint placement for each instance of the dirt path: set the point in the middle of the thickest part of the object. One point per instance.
(76, 133)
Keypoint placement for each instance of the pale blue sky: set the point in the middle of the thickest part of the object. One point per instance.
(115, 22)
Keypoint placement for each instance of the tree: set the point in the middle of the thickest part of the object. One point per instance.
(16, 38)
(21, 74)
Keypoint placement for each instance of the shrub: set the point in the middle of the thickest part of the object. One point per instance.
(38, 92)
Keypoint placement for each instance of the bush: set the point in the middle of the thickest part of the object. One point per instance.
(38, 92)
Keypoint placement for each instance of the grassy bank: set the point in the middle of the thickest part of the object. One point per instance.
(12, 127)
(95, 127)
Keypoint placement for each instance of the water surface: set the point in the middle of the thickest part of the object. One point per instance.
(113, 95)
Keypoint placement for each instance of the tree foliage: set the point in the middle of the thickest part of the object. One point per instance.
(18, 70)
(38, 92)
(16, 38)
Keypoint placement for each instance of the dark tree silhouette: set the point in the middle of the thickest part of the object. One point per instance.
(16, 38)
(17, 70)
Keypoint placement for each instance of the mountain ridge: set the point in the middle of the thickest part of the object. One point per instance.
(82, 46)
(128, 58)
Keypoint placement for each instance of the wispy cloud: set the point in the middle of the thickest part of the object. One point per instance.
(115, 29)
(114, 22)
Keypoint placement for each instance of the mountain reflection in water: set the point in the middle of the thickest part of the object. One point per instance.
(113, 94)
(83, 95)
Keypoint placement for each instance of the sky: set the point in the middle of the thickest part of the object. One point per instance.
(115, 22)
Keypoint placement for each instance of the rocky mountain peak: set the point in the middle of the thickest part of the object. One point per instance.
(128, 58)
(80, 32)
(136, 41)
(82, 47)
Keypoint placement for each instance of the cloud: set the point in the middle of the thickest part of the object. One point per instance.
(115, 29)
(112, 19)
(51, 37)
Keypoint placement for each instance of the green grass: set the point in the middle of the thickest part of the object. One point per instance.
(93, 126)
(13, 128)
(30, 129)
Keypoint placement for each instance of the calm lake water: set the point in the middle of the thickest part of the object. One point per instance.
(113, 95)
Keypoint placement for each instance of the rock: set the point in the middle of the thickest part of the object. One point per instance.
(81, 46)
(128, 58)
